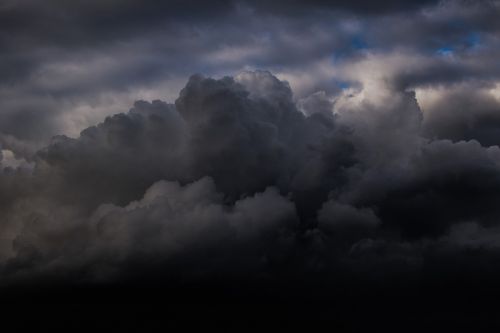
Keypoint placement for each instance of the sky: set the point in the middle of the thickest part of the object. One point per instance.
(272, 142)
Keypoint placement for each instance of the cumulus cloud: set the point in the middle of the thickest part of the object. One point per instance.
(222, 129)
(169, 224)
(148, 154)
(371, 151)
(237, 178)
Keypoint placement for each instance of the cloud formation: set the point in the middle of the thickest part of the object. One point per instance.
(238, 179)
(370, 152)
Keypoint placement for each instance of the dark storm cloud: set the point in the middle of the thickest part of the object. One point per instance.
(343, 169)
(171, 225)
(218, 128)
(234, 180)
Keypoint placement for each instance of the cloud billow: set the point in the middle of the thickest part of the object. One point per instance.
(234, 180)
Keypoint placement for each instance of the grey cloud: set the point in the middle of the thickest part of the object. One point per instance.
(178, 185)
(316, 103)
(169, 223)
(89, 51)
(238, 178)
(218, 128)
(464, 113)
(368, 164)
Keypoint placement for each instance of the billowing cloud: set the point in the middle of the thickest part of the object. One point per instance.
(170, 225)
(238, 179)
(328, 151)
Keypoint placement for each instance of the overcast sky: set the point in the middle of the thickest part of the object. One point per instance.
(65, 66)
(249, 140)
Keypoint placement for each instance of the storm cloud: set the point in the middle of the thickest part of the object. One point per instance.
(295, 150)
(234, 179)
